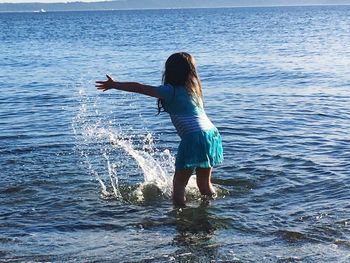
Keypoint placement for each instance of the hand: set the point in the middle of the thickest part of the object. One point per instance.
(105, 85)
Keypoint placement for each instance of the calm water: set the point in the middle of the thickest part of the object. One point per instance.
(85, 176)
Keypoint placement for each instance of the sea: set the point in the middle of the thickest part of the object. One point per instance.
(86, 176)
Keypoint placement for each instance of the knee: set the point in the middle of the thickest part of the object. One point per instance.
(177, 181)
(182, 177)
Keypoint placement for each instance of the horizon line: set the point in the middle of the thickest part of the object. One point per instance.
(160, 8)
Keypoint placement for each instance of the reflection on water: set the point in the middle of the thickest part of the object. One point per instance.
(195, 234)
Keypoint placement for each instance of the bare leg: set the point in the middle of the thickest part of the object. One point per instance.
(180, 181)
(204, 182)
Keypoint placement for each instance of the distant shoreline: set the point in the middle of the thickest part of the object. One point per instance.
(155, 8)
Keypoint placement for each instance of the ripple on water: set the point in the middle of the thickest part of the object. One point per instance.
(281, 104)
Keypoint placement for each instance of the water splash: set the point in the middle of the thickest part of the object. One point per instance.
(154, 173)
(115, 158)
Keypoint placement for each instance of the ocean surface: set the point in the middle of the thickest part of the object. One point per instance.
(86, 176)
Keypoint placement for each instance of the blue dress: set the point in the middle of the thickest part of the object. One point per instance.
(200, 145)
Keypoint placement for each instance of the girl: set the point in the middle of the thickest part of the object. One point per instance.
(181, 96)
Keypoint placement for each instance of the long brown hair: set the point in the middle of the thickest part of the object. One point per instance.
(180, 70)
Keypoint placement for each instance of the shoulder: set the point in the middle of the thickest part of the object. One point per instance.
(165, 91)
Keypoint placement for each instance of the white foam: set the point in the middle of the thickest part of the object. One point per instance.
(100, 141)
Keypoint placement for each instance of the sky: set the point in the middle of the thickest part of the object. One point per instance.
(56, 1)
(47, 1)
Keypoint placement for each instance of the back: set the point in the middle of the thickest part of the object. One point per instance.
(177, 101)
(186, 115)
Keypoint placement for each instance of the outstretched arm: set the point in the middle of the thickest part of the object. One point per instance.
(127, 86)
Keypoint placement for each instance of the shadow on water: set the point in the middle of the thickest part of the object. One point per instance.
(195, 233)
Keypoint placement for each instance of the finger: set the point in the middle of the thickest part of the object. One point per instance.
(99, 82)
(101, 87)
(108, 77)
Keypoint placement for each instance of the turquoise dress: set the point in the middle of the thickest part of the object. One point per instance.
(200, 145)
